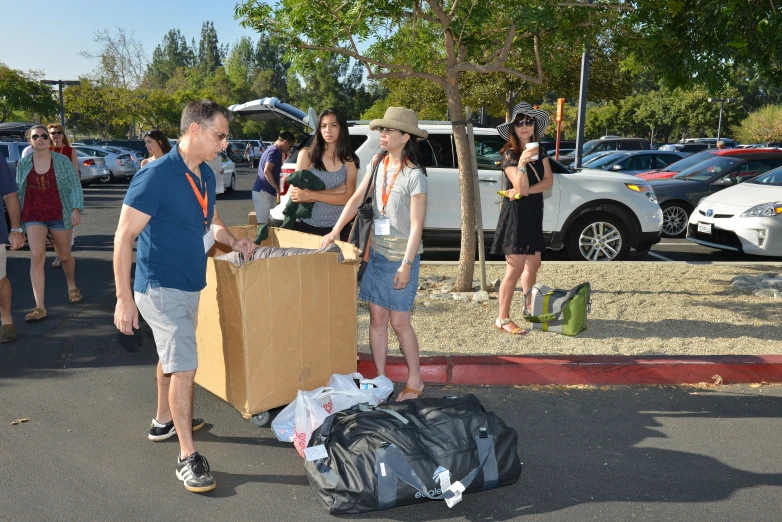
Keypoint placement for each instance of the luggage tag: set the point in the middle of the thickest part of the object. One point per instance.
(209, 240)
(457, 488)
(315, 453)
(382, 227)
(443, 476)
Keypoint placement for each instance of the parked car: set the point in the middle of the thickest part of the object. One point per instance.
(608, 144)
(226, 182)
(691, 148)
(635, 162)
(119, 163)
(593, 216)
(672, 170)
(745, 218)
(729, 142)
(12, 150)
(135, 155)
(679, 196)
(92, 169)
(137, 145)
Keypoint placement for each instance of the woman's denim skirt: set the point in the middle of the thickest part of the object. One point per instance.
(377, 285)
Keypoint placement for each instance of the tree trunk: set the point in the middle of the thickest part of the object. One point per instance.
(466, 188)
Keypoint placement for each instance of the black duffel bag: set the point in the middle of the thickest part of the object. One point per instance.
(411, 451)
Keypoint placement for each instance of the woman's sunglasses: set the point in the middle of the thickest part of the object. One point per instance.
(36, 137)
(55, 133)
(528, 122)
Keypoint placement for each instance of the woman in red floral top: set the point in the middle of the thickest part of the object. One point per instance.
(51, 199)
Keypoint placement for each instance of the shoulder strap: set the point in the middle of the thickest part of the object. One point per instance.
(375, 165)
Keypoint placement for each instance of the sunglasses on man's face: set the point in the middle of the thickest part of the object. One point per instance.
(36, 137)
(55, 133)
(528, 122)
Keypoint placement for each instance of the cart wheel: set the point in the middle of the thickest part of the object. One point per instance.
(261, 419)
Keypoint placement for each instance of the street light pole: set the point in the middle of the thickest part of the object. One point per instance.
(722, 101)
(60, 83)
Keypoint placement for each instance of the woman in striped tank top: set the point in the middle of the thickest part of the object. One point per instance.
(331, 158)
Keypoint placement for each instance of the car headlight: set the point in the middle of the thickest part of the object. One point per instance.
(643, 188)
(764, 210)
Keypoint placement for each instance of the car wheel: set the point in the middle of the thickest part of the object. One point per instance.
(598, 237)
(107, 179)
(232, 186)
(675, 218)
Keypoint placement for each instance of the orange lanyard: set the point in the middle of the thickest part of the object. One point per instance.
(201, 199)
(391, 186)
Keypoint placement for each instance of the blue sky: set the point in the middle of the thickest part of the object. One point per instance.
(67, 28)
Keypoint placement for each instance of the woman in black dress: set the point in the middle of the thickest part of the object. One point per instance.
(519, 235)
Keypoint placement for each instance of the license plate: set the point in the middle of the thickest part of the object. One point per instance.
(704, 228)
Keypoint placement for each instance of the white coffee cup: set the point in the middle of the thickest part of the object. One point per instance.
(533, 145)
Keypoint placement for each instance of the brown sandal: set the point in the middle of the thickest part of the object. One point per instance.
(36, 315)
(514, 331)
(407, 389)
(74, 295)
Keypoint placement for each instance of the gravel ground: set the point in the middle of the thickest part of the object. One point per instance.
(637, 309)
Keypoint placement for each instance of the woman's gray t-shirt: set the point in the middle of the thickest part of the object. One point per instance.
(410, 182)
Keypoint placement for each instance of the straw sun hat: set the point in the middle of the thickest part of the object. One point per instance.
(405, 120)
(525, 108)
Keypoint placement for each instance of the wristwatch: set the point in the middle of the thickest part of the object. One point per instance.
(408, 263)
(19, 230)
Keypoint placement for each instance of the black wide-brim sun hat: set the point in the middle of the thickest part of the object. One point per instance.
(525, 108)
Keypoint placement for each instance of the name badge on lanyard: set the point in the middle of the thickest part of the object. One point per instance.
(383, 224)
(209, 237)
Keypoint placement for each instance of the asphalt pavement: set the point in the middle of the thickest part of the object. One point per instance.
(624, 453)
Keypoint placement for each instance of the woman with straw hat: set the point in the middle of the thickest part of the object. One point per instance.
(390, 282)
(519, 234)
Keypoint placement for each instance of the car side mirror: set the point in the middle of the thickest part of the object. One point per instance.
(727, 181)
(616, 167)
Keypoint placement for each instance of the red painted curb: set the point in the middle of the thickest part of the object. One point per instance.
(434, 370)
(588, 369)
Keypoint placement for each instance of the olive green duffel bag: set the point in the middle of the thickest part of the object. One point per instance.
(561, 311)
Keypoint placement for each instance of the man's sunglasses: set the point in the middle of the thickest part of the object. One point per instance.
(220, 136)
(529, 122)
(36, 137)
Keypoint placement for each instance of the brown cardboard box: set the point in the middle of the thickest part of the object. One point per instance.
(275, 326)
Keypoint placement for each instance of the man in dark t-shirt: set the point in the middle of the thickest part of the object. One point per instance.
(266, 189)
(170, 207)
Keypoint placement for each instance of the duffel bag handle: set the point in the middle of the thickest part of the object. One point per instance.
(391, 464)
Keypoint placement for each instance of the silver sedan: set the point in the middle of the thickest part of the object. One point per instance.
(91, 169)
(119, 163)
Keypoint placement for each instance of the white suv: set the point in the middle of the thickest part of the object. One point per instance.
(593, 215)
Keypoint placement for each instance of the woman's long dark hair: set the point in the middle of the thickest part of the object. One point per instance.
(411, 154)
(344, 151)
(161, 140)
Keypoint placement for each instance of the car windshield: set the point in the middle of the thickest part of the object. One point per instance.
(705, 170)
(772, 177)
(587, 159)
(605, 160)
(688, 162)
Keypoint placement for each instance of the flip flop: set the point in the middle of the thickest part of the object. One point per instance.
(417, 393)
(56, 263)
(516, 331)
(36, 315)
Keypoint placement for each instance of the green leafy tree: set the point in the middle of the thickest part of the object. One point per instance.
(98, 108)
(171, 54)
(678, 40)
(210, 52)
(434, 40)
(23, 92)
(762, 126)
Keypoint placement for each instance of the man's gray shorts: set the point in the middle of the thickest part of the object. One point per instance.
(172, 314)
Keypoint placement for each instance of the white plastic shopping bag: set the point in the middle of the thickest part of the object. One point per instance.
(311, 411)
(381, 387)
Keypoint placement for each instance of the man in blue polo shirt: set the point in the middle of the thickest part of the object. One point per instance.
(170, 207)
(266, 189)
